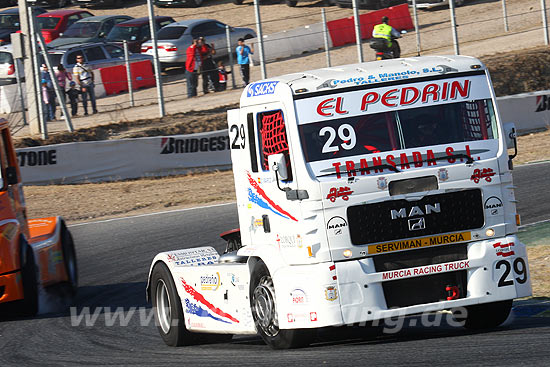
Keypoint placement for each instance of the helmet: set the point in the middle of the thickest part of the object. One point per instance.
(385, 19)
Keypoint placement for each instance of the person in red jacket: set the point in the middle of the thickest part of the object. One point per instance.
(193, 64)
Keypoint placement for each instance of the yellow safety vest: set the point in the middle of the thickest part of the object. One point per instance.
(383, 31)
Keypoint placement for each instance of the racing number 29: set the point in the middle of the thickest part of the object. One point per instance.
(238, 141)
(520, 269)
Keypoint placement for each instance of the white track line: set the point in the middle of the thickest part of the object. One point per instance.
(150, 214)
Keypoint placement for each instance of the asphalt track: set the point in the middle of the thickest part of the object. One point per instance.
(114, 257)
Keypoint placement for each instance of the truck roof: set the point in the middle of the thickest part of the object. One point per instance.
(377, 72)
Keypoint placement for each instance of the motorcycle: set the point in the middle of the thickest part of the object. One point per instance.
(382, 51)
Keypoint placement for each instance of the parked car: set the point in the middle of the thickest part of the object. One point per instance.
(102, 3)
(174, 39)
(7, 67)
(91, 29)
(4, 3)
(166, 3)
(9, 22)
(97, 55)
(51, 3)
(54, 23)
(428, 4)
(135, 31)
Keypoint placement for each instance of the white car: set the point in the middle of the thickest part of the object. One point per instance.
(175, 38)
(428, 4)
(7, 66)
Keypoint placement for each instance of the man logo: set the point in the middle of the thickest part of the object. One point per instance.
(493, 205)
(417, 224)
(335, 225)
(415, 210)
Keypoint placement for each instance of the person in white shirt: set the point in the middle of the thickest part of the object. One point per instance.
(85, 79)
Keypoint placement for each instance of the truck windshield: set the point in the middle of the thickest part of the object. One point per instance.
(399, 129)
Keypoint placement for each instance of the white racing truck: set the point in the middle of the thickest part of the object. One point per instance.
(364, 191)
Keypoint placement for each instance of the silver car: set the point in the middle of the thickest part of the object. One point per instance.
(7, 67)
(175, 38)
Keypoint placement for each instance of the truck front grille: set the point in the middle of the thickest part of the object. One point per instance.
(401, 219)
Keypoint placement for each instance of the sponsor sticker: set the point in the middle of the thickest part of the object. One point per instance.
(420, 242)
(504, 249)
(485, 173)
(426, 270)
(331, 293)
(341, 192)
(298, 297)
(261, 89)
(210, 282)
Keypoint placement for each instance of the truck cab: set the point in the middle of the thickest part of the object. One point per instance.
(372, 190)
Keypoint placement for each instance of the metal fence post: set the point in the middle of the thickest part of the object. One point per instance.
(357, 24)
(416, 28)
(20, 88)
(260, 37)
(156, 63)
(505, 15)
(230, 53)
(60, 96)
(325, 36)
(544, 21)
(453, 26)
(128, 72)
(38, 85)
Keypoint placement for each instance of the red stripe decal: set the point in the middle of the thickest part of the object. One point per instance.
(200, 298)
(263, 195)
(506, 254)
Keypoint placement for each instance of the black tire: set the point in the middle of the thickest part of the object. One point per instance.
(167, 305)
(486, 315)
(29, 275)
(238, 2)
(263, 304)
(291, 3)
(69, 259)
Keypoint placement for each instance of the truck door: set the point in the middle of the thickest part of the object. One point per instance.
(264, 210)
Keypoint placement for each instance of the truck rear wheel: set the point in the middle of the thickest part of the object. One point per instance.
(69, 258)
(486, 315)
(167, 306)
(264, 312)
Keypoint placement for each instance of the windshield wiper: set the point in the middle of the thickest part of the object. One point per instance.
(355, 170)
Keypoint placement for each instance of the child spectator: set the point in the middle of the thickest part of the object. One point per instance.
(73, 93)
(222, 75)
(46, 99)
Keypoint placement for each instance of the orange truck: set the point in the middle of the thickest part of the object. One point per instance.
(35, 253)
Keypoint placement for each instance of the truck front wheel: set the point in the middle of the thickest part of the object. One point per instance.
(264, 311)
(69, 258)
(486, 315)
(29, 305)
(167, 306)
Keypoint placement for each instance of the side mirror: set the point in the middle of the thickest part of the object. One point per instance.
(277, 164)
(11, 175)
(403, 31)
(510, 138)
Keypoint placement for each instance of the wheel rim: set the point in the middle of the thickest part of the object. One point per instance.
(164, 311)
(264, 307)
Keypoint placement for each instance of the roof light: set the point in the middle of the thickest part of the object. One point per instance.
(475, 66)
(301, 90)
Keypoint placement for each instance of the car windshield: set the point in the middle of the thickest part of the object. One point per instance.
(55, 59)
(120, 33)
(82, 30)
(171, 33)
(399, 130)
(47, 22)
(5, 58)
(9, 21)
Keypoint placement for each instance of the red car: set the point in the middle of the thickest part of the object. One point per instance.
(54, 23)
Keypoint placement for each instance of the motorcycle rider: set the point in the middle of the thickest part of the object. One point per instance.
(387, 32)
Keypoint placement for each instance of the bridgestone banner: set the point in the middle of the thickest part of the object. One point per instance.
(122, 159)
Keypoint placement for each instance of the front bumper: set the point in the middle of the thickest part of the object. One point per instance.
(494, 270)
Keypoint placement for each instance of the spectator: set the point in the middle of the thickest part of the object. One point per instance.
(192, 66)
(62, 76)
(243, 51)
(209, 72)
(46, 99)
(73, 94)
(50, 106)
(222, 76)
(85, 79)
